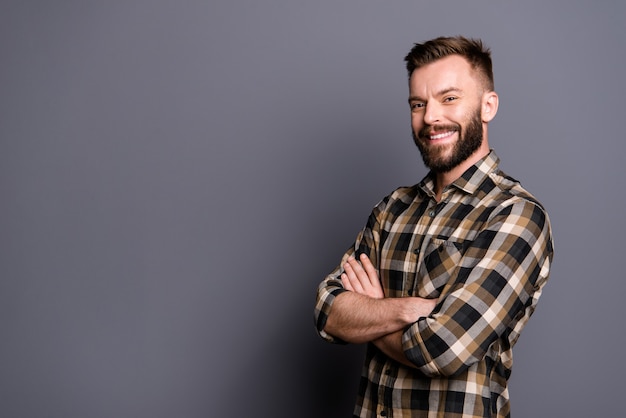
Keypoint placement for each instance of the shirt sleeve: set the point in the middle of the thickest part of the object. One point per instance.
(332, 286)
(491, 294)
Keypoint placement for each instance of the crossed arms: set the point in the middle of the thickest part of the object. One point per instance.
(363, 314)
(491, 289)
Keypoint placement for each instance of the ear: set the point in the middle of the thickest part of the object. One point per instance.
(489, 106)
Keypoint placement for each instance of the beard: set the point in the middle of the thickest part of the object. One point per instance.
(437, 158)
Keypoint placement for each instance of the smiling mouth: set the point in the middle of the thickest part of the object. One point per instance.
(438, 132)
(441, 135)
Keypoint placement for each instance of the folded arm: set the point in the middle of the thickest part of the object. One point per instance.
(363, 314)
(491, 293)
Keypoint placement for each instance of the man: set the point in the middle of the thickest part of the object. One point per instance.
(446, 273)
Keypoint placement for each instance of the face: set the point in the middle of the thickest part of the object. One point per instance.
(446, 99)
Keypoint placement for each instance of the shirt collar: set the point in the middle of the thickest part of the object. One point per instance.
(470, 180)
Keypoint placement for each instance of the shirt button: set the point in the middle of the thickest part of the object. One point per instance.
(416, 251)
(383, 413)
(431, 213)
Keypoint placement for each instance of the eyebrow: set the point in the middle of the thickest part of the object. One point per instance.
(439, 93)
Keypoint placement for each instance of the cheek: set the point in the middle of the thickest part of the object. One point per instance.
(416, 123)
(461, 114)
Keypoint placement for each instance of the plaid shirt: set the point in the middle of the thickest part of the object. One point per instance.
(484, 251)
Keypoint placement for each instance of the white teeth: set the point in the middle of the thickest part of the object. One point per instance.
(438, 136)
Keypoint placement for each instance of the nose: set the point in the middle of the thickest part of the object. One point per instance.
(432, 113)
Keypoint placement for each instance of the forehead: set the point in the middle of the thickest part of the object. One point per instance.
(453, 71)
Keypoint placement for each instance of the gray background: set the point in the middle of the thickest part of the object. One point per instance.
(176, 177)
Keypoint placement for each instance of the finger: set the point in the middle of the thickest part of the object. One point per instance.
(346, 282)
(369, 268)
(352, 277)
(359, 276)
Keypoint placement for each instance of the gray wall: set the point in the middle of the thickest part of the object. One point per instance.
(176, 177)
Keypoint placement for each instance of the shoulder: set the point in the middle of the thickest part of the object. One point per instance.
(509, 197)
(401, 197)
(395, 204)
(506, 190)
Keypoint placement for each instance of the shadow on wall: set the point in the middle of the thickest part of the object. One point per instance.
(333, 169)
(290, 371)
(296, 375)
(333, 375)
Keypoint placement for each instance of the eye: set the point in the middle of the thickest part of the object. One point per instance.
(417, 105)
(449, 99)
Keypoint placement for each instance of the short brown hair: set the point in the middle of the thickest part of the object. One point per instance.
(473, 50)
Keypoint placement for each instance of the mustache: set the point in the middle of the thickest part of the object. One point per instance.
(427, 131)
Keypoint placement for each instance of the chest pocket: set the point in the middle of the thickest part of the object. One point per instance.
(440, 261)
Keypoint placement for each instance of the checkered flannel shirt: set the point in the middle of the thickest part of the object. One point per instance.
(484, 251)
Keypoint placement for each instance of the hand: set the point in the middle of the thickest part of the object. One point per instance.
(362, 277)
(422, 307)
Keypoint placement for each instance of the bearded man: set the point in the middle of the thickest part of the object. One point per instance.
(445, 274)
